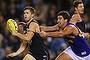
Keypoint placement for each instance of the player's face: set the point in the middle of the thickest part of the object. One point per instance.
(27, 15)
(80, 8)
(60, 21)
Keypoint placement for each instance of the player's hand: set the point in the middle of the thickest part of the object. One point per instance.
(11, 55)
(43, 34)
(86, 35)
(14, 33)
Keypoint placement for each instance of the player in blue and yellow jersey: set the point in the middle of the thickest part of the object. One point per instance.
(78, 48)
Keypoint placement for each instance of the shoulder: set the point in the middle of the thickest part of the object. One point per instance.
(33, 23)
(70, 27)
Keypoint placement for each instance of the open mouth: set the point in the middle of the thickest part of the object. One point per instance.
(25, 17)
(82, 10)
(59, 23)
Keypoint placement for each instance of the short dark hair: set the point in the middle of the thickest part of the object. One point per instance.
(76, 2)
(30, 8)
(65, 15)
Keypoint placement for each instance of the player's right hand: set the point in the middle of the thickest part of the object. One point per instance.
(11, 55)
(43, 34)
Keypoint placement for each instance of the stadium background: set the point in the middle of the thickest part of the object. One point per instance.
(46, 11)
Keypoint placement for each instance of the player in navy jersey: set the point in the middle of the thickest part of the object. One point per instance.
(78, 48)
(31, 38)
(79, 9)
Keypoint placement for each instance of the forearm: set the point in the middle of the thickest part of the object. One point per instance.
(48, 29)
(52, 28)
(22, 36)
(25, 37)
(22, 48)
(54, 34)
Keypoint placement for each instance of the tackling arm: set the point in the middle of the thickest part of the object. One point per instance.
(52, 28)
(68, 30)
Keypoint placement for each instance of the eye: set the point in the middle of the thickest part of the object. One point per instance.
(59, 18)
(80, 6)
(24, 13)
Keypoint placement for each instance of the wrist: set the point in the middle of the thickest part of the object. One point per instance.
(47, 35)
(17, 34)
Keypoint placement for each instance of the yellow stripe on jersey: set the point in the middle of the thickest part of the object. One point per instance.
(81, 33)
(71, 36)
(70, 41)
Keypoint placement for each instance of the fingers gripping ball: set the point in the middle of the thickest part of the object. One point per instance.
(12, 25)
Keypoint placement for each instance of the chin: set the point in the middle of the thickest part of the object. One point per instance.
(79, 21)
(26, 20)
(82, 12)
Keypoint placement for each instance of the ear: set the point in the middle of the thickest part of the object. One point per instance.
(75, 8)
(66, 20)
(32, 15)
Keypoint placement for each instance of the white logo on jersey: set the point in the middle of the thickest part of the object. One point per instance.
(30, 42)
(83, 53)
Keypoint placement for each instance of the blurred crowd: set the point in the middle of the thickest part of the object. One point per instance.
(46, 13)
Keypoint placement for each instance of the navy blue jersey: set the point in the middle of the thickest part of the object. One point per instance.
(81, 24)
(36, 44)
(78, 43)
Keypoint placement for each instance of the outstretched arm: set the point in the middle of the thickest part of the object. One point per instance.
(20, 50)
(52, 34)
(51, 28)
(62, 33)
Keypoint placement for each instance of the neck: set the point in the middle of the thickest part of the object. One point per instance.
(76, 12)
(64, 25)
(29, 21)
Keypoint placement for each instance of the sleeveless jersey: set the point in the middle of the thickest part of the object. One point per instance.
(81, 24)
(36, 44)
(78, 43)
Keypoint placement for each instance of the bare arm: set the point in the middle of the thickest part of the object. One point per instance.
(20, 50)
(30, 33)
(52, 28)
(86, 35)
(54, 34)
(62, 33)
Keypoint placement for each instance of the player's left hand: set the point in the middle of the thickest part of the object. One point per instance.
(14, 33)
